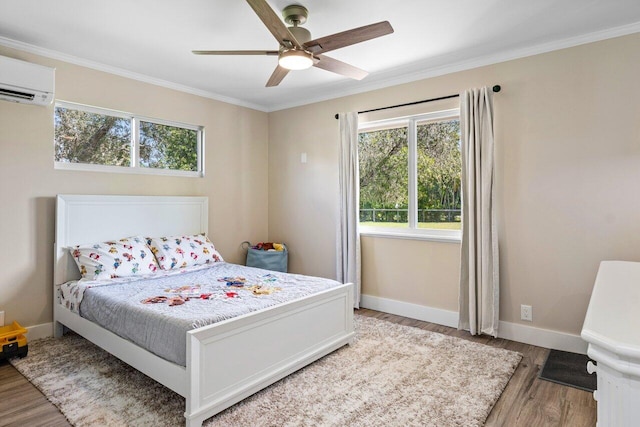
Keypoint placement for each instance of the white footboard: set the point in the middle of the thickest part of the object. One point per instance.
(230, 360)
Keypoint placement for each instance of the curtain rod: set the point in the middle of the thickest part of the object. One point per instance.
(496, 88)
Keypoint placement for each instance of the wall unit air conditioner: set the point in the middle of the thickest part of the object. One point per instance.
(25, 82)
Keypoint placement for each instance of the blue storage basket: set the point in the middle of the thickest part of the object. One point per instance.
(268, 260)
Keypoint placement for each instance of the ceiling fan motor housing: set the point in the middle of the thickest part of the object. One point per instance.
(295, 14)
(302, 35)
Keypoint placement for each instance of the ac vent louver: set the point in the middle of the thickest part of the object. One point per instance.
(16, 94)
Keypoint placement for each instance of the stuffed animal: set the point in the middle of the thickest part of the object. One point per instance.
(172, 301)
(261, 290)
(263, 246)
(177, 300)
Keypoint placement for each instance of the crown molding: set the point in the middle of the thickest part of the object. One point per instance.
(53, 54)
(393, 77)
(424, 70)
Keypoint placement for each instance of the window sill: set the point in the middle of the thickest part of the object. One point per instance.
(454, 236)
(85, 167)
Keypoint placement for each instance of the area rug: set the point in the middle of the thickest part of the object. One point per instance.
(570, 369)
(392, 375)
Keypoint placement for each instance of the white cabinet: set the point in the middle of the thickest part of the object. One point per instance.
(612, 329)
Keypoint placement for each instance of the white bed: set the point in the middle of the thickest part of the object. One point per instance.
(286, 337)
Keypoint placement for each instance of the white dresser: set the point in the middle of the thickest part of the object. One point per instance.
(612, 329)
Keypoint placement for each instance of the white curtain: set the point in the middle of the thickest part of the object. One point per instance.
(348, 268)
(479, 279)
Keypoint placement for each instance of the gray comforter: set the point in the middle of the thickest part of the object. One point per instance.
(141, 310)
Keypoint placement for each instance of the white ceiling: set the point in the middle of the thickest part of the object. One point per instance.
(152, 39)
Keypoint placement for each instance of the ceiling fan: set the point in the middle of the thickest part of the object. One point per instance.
(297, 51)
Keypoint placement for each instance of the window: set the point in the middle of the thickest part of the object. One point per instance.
(90, 138)
(410, 170)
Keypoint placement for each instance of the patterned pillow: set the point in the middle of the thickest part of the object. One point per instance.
(125, 257)
(183, 251)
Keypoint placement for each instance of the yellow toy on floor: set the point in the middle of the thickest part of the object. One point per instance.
(13, 343)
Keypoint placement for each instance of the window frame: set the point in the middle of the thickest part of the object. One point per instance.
(134, 164)
(412, 231)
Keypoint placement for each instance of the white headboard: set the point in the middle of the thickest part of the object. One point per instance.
(84, 219)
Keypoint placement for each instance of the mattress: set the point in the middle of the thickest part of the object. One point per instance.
(156, 312)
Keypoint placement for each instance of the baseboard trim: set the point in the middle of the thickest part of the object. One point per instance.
(508, 330)
(413, 311)
(542, 337)
(43, 330)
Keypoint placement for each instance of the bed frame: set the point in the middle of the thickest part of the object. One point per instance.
(227, 361)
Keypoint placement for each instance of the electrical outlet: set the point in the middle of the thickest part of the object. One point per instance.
(1, 318)
(526, 312)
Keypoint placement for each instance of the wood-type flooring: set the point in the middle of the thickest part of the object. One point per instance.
(526, 401)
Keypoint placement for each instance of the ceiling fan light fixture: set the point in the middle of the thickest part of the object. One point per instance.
(295, 59)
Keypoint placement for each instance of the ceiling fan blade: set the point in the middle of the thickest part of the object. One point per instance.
(273, 23)
(278, 74)
(339, 67)
(235, 52)
(349, 37)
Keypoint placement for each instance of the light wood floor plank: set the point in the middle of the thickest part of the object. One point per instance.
(22, 404)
